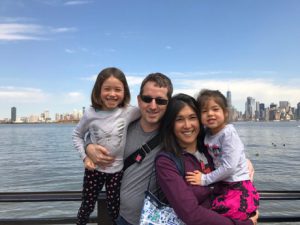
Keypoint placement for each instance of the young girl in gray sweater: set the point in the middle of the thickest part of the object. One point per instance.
(106, 121)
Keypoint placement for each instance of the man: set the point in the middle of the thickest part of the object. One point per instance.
(155, 91)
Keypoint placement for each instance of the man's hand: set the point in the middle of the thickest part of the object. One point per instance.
(88, 164)
(99, 155)
(251, 170)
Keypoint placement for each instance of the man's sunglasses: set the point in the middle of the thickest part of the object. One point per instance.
(159, 101)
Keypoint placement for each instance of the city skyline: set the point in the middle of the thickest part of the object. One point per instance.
(52, 50)
(52, 115)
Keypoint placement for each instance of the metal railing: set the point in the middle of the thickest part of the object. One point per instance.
(56, 196)
(102, 217)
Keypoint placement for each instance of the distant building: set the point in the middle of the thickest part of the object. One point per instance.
(229, 102)
(284, 105)
(45, 116)
(233, 113)
(250, 108)
(13, 117)
(58, 117)
(274, 113)
(262, 111)
(298, 111)
(33, 119)
(256, 113)
(267, 114)
(287, 112)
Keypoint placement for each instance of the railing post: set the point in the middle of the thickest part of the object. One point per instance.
(98, 212)
(102, 213)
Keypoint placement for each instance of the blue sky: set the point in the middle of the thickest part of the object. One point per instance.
(51, 50)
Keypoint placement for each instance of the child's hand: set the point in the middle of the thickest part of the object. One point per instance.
(88, 164)
(194, 178)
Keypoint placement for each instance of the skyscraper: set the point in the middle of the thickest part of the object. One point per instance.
(262, 112)
(298, 110)
(13, 116)
(250, 108)
(229, 99)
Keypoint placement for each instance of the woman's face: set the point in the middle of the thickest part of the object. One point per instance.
(187, 128)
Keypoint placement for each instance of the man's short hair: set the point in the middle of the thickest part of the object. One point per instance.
(160, 80)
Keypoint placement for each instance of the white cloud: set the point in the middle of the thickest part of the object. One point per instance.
(33, 101)
(65, 2)
(75, 50)
(74, 94)
(134, 80)
(200, 73)
(70, 51)
(17, 31)
(77, 2)
(63, 29)
(90, 78)
(15, 19)
(12, 94)
(22, 31)
(74, 97)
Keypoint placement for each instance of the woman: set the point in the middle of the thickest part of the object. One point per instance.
(180, 130)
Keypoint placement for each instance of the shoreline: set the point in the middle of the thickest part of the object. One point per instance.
(55, 122)
(76, 121)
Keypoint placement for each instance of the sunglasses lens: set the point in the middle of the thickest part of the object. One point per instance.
(159, 101)
(146, 99)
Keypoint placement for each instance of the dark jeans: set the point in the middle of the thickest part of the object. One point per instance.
(121, 221)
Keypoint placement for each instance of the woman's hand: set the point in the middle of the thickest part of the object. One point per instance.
(194, 178)
(99, 155)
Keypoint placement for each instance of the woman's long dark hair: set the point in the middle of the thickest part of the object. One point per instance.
(168, 138)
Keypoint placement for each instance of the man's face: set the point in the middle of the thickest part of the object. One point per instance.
(152, 110)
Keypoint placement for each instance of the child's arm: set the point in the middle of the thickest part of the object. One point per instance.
(79, 134)
(195, 178)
